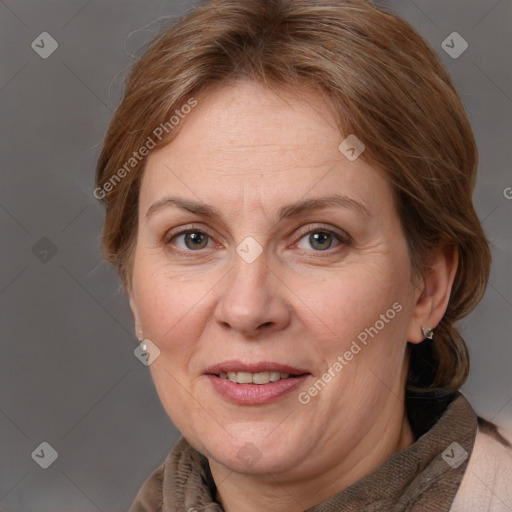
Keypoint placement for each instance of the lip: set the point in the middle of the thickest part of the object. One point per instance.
(263, 366)
(254, 394)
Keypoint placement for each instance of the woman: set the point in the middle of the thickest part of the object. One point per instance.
(288, 203)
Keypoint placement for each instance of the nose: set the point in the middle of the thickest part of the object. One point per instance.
(252, 299)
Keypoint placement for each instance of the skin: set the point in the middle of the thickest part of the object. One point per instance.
(247, 152)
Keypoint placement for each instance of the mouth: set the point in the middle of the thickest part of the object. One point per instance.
(254, 373)
(256, 383)
(258, 378)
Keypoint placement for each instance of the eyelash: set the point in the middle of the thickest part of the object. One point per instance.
(344, 240)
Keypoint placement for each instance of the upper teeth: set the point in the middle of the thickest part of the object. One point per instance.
(253, 378)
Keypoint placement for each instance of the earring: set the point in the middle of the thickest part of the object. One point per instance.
(139, 332)
(428, 333)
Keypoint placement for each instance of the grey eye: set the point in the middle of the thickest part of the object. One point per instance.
(320, 240)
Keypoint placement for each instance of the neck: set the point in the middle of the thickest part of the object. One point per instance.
(295, 493)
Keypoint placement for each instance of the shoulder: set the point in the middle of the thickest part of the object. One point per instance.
(150, 495)
(487, 482)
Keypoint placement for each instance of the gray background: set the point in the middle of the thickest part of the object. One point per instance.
(67, 369)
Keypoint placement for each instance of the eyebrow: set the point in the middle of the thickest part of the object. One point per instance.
(291, 210)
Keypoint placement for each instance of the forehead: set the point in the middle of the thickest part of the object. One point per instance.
(243, 141)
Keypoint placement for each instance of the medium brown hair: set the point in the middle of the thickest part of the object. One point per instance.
(386, 85)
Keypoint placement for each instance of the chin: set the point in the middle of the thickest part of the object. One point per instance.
(251, 461)
(254, 453)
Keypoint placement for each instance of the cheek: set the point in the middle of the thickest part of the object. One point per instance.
(350, 301)
(364, 346)
(365, 314)
(172, 311)
(173, 314)
(170, 303)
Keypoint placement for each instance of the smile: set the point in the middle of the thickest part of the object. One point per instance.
(254, 383)
(254, 378)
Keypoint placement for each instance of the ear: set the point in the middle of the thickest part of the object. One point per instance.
(433, 292)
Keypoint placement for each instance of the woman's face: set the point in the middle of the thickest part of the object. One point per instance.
(272, 284)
